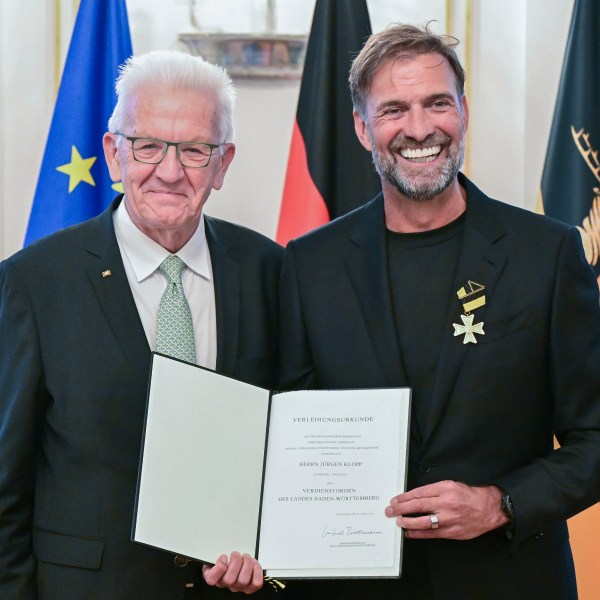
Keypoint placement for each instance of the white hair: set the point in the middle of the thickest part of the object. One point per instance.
(169, 69)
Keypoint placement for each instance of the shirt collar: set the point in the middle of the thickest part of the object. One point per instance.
(146, 255)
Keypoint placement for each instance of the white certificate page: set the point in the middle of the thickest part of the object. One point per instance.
(202, 464)
(334, 461)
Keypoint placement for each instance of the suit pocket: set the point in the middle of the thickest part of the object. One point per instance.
(67, 550)
(509, 325)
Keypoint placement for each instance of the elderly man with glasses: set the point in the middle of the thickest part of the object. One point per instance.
(80, 312)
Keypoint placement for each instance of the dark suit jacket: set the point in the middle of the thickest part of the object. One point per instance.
(496, 404)
(74, 365)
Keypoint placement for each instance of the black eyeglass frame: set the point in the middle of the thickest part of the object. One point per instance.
(134, 139)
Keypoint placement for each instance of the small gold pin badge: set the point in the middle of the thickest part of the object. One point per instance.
(472, 296)
(106, 273)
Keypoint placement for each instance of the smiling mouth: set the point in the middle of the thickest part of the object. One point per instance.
(421, 155)
(165, 192)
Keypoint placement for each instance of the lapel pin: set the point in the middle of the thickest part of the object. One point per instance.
(472, 297)
(106, 273)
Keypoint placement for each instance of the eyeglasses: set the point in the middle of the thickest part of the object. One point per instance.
(151, 151)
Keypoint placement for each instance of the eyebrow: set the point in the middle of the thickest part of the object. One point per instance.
(427, 100)
(441, 96)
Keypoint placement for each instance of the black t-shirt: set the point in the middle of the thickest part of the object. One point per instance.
(421, 270)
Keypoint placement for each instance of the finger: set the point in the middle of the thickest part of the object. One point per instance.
(431, 490)
(245, 575)
(256, 581)
(412, 507)
(424, 534)
(257, 576)
(229, 579)
(415, 493)
(417, 523)
(212, 575)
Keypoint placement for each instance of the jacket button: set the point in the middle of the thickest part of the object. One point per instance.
(180, 561)
(424, 466)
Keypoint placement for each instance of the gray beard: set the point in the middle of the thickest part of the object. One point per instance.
(414, 188)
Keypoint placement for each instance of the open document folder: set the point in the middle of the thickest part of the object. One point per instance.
(300, 480)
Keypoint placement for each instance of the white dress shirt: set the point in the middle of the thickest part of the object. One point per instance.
(142, 257)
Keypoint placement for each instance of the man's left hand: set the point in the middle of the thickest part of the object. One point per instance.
(238, 573)
(461, 512)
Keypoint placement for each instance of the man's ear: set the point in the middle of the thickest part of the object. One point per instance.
(111, 155)
(362, 134)
(224, 159)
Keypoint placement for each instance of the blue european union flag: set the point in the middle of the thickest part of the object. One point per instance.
(74, 184)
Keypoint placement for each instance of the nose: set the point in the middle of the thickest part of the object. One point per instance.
(417, 124)
(169, 169)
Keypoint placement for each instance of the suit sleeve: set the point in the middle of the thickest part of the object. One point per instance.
(296, 363)
(557, 486)
(22, 401)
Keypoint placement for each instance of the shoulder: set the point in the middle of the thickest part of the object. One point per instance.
(512, 218)
(517, 229)
(515, 217)
(529, 237)
(337, 232)
(240, 240)
(58, 250)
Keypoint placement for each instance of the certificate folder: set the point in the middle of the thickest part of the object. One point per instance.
(299, 480)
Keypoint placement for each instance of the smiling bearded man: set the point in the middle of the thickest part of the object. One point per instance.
(419, 169)
(483, 310)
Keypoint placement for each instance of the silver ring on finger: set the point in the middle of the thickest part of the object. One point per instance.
(435, 522)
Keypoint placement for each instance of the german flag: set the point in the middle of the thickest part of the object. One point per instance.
(571, 178)
(329, 173)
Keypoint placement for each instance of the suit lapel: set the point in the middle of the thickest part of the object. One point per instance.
(482, 261)
(227, 296)
(366, 264)
(108, 278)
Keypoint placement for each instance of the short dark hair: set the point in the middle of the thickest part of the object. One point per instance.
(396, 42)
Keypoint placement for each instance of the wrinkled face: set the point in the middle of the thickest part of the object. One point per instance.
(415, 125)
(167, 198)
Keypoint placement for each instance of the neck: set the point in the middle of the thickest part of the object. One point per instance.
(172, 240)
(404, 215)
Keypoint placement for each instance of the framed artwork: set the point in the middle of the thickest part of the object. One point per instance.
(267, 38)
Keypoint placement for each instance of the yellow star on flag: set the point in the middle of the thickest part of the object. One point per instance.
(78, 169)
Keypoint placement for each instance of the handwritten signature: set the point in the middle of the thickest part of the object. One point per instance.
(348, 530)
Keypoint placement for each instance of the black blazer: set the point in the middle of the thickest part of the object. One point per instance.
(74, 364)
(496, 405)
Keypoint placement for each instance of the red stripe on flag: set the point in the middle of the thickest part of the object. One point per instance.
(302, 207)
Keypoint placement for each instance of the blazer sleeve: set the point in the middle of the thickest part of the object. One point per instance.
(296, 363)
(555, 487)
(22, 401)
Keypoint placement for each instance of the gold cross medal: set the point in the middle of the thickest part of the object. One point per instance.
(472, 296)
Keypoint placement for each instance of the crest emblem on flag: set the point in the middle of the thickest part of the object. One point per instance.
(590, 228)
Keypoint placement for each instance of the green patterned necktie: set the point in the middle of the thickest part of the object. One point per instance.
(174, 327)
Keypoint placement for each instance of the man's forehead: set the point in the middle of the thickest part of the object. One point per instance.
(174, 96)
(405, 72)
(416, 63)
(150, 104)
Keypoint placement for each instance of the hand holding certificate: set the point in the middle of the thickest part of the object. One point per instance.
(331, 462)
